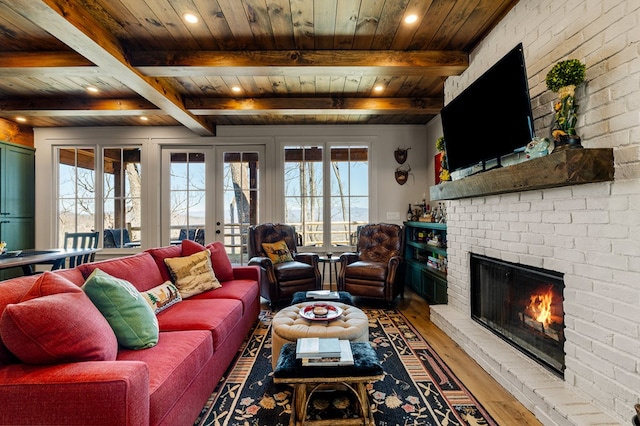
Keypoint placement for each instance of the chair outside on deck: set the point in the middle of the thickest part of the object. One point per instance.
(193, 234)
(74, 240)
(116, 238)
(375, 271)
(284, 271)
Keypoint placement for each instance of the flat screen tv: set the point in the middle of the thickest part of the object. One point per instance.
(490, 118)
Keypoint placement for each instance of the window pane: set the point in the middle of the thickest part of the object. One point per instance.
(187, 196)
(304, 189)
(76, 191)
(349, 192)
(348, 189)
(121, 197)
(240, 186)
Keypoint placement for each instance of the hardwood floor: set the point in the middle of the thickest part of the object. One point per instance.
(504, 408)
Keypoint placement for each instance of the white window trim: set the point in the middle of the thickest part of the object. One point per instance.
(326, 143)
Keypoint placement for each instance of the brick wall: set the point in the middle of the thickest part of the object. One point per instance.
(591, 232)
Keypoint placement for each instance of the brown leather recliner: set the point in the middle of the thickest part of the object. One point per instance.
(376, 270)
(280, 281)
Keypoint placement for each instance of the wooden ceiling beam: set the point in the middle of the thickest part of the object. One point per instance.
(74, 26)
(263, 63)
(49, 107)
(297, 63)
(222, 106)
(46, 64)
(44, 59)
(318, 106)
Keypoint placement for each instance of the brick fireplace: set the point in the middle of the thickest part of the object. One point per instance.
(522, 305)
(589, 233)
(556, 229)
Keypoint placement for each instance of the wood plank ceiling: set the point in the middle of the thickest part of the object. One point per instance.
(245, 62)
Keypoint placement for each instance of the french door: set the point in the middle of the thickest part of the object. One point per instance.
(187, 194)
(211, 194)
(240, 198)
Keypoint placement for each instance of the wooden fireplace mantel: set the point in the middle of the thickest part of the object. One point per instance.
(567, 167)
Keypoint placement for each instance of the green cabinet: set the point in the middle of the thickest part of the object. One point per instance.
(425, 255)
(17, 199)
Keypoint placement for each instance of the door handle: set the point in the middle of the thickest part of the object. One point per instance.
(217, 231)
(218, 223)
(5, 221)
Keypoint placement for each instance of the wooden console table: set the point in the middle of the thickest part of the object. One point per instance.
(563, 168)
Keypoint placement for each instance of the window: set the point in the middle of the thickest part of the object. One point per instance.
(100, 189)
(326, 192)
(240, 192)
(121, 197)
(76, 191)
(187, 196)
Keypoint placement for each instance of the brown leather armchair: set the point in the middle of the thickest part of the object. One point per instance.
(281, 280)
(376, 270)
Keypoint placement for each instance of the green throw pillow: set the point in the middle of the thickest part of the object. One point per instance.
(127, 312)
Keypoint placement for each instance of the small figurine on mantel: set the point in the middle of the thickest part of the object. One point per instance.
(538, 147)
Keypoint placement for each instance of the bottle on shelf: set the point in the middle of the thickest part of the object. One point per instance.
(409, 213)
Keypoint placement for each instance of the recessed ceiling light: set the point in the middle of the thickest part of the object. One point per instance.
(21, 119)
(411, 19)
(379, 88)
(144, 118)
(190, 18)
(236, 89)
(92, 89)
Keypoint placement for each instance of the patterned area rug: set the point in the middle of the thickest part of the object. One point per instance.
(418, 388)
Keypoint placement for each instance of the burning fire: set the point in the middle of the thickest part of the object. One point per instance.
(540, 306)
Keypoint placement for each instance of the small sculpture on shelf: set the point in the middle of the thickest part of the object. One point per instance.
(538, 147)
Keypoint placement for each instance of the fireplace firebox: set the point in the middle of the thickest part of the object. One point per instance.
(523, 305)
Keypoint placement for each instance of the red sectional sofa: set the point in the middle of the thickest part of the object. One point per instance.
(167, 384)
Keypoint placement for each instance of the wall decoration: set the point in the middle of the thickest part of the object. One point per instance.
(401, 155)
(437, 165)
(440, 162)
(402, 175)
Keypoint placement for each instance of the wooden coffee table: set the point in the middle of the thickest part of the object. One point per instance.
(307, 380)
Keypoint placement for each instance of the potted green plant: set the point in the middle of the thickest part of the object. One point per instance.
(563, 79)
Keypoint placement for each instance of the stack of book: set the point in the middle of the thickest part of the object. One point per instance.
(323, 295)
(324, 351)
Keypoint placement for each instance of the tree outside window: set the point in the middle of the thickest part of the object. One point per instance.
(119, 192)
(326, 212)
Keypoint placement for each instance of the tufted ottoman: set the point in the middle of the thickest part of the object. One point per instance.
(288, 326)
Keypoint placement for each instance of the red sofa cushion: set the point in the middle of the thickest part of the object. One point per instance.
(220, 317)
(50, 283)
(246, 291)
(140, 270)
(55, 323)
(173, 363)
(160, 254)
(219, 258)
(12, 292)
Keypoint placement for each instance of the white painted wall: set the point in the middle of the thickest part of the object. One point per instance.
(387, 197)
